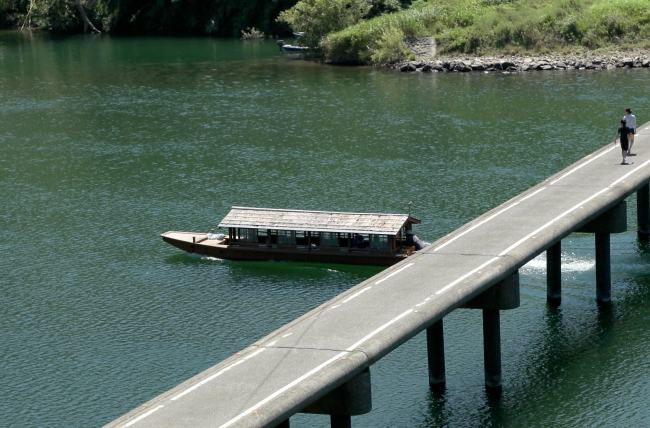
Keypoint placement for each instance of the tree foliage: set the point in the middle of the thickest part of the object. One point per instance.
(216, 17)
(317, 18)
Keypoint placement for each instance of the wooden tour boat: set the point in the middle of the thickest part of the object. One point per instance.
(305, 236)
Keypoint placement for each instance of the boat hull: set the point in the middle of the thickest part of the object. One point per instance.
(198, 244)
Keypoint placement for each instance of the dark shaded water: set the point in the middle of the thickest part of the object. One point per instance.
(105, 143)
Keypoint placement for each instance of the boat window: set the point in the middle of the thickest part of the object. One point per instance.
(314, 238)
(286, 237)
(360, 240)
(329, 239)
(301, 239)
(248, 235)
(379, 242)
(399, 239)
(261, 236)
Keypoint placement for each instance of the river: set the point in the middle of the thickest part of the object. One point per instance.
(107, 142)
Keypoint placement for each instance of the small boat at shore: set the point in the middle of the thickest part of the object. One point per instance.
(292, 48)
(305, 236)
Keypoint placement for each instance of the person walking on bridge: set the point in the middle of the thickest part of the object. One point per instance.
(631, 125)
(623, 132)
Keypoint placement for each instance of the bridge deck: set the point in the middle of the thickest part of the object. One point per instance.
(303, 360)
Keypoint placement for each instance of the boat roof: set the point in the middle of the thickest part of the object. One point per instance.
(316, 221)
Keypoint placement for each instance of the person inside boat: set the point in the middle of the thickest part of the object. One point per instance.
(357, 242)
(212, 235)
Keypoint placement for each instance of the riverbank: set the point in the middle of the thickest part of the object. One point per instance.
(482, 28)
(521, 63)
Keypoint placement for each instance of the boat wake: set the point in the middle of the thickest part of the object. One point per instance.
(570, 263)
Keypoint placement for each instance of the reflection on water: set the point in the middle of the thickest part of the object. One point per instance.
(107, 143)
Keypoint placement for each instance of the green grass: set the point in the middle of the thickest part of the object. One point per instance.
(496, 26)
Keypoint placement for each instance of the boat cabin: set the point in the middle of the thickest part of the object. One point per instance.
(317, 229)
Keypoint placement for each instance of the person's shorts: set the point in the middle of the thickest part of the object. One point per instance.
(625, 144)
(632, 131)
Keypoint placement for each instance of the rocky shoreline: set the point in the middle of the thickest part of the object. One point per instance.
(521, 63)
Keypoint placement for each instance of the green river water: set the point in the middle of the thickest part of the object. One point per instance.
(105, 143)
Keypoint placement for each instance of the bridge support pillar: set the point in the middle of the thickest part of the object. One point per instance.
(643, 212)
(554, 274)
(502, 296)
(612, 221)
(350, 399)
(492, 348)
(436, 356)
(338, 421)
(603, 268)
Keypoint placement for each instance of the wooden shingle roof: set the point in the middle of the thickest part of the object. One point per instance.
(316, 221)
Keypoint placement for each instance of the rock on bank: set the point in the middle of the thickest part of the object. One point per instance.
(518, 63)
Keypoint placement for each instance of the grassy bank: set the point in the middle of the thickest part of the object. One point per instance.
(495, 26)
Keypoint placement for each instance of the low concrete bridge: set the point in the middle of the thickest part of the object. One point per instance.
(320, 362)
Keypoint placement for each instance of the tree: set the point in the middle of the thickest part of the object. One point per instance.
(81, 7)
(316, 18)
(214, 17)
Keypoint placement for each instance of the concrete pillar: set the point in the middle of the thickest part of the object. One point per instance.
(612, 221)
(643, 212)
(554, 274)
(283, 424)
(338, 421)
(350, 399)
(492, 348)
(436, 356)
(502, 296)
(603, 268)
